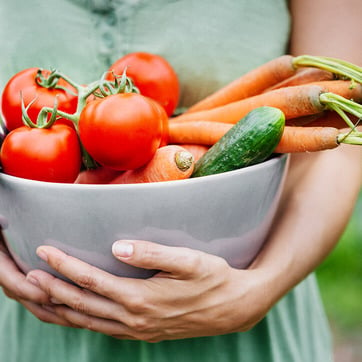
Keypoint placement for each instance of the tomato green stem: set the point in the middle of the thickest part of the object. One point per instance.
(51, 81)
(336, 66)
(88, 161)
(121, 84)
(56, 75)
(72, 117)
(24, 110)
(53, 117)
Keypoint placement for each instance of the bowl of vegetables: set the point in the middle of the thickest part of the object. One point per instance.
(101, 162)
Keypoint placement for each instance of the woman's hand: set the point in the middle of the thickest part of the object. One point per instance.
(194, 294)
(16, 286)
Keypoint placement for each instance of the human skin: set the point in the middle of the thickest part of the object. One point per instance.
(196, 293)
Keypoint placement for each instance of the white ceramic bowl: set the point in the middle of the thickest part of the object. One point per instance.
(227, 214)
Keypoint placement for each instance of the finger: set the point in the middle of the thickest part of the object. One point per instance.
(80, 300)
(91, 311)
(149, 255)
(92, 323)
(46, 314)
(105, 326)
(3, 247)
(90, 277)
(9, 294)
(15, 283)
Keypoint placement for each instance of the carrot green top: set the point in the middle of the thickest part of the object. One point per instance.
(209, 43)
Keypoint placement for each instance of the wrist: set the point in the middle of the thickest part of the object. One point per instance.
(256, 293)
(276, 278)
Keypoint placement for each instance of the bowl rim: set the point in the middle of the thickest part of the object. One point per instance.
(275, 158)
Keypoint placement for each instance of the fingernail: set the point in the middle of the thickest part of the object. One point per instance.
(122, 249)
(42, 255)
(32, 280)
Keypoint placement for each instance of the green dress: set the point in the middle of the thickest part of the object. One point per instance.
(209, 43)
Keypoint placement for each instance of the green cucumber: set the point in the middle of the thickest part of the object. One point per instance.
(250, 141)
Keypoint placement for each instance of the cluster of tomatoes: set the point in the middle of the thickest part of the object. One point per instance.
(56, 126)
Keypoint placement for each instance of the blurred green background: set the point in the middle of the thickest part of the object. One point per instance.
(340, 281)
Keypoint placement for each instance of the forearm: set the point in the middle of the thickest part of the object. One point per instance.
(319, 197)
(327, 27)
(321, 188)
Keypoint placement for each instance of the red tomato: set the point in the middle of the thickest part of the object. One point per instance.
(164, 120)
(165, 132)
(121, 131)
(52, 154)
(153, 76)
(24, 83)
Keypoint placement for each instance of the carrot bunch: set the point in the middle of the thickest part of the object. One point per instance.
(318, 95)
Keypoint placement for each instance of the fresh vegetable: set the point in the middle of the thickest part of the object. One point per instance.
(197, 132)
(250, 141)
(196, 150)
(169, 163)
(312, 139)
(85, 94)
(165, 126)
(324, 119)
(34, 86)
(307, 139)
(153, 75)
(294, 139)
(253, 82)
(304, 76)
(121, 131)
(271, 73)
(44, 154)
(294, 102)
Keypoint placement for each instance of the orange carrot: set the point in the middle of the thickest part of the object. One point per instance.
(196, 150)
(170, 162)
(294, 138)
(267, 75)
(199, 132)
(100, 175)
(295, 101)
(324, 119)
(304, 120)
(304, 76)
(251, 83)
(332, 119)
(344, 88)
(307, 139)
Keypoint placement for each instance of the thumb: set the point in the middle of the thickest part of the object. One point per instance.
(149, 255)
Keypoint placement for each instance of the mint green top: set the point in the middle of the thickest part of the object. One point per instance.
(209, 43)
